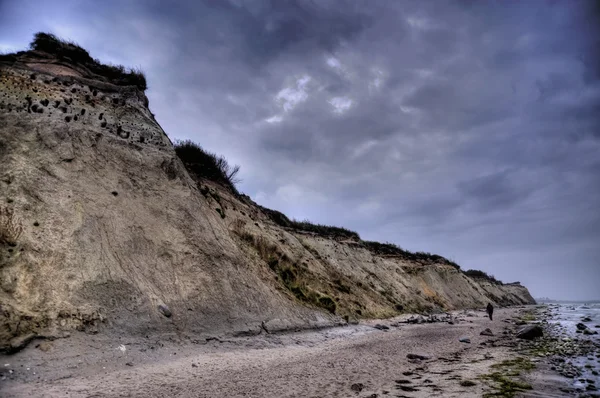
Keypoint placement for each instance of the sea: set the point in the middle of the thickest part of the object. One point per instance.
(567, 315)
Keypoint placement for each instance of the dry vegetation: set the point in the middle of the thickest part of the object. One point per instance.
(292, 276)
(207, 165)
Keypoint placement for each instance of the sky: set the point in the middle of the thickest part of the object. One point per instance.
(466, 128)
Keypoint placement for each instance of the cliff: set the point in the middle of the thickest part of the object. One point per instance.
(103, 229)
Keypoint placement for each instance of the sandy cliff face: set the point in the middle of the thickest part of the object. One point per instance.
(117, 237)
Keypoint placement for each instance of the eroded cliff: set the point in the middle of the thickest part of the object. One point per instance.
(110, 233)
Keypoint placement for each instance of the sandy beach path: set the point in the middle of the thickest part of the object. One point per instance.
(365, 364)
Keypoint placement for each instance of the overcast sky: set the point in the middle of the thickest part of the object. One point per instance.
(465, 128)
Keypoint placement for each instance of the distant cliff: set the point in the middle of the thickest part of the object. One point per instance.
(104, 230)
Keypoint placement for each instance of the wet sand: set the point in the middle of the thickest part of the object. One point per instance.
(356, 360)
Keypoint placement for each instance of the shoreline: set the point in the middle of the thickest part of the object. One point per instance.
(370, 359)
(567, 361)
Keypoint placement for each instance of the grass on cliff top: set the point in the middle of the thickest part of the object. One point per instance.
(204, 164)
(343, 233)
(477, 274)
(71, 52)
(395, 250)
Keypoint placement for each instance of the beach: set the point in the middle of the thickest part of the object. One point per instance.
(372, 359)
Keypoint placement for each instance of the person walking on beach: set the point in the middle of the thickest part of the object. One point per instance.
(490, 310)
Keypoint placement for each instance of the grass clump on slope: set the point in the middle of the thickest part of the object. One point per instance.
(204, 164)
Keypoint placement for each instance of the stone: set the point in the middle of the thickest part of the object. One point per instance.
(164, 310)
(418, 356)
(465, 340)
(487, 332)
(589, 332)
(381, 327)
(20, 342)
(530, 332)
(581, 326)
(358, 387)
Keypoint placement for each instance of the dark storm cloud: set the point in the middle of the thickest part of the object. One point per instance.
(468, 128)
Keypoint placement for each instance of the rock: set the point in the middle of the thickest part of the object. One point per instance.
(407, 388)
(358, 387)
(487, 332)
(589, 332)
(530, 332)
(164, 310)
(20, 342)
(581, 326)
(381, 327)
(418, 356)
(413, 319)
(44, 346)
(194, 365)
(586, 319)
(250, 331)
(129, 364)
(465, 340)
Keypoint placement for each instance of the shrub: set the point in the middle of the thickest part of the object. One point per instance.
(10, 227)
(203, 164)
(477, 274)
(71, 52)
(390, 249)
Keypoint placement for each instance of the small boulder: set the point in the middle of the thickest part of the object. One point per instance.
(465, 340)
(381, 327)
(586, 319)
(589, 332)
(420, 357)
(358, 387)
(487, 332)
(164, 310)
(530, 332)
(581, 326)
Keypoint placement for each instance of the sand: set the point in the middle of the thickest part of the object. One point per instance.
(356, 360)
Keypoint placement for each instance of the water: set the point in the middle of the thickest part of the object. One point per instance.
(566, 316)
